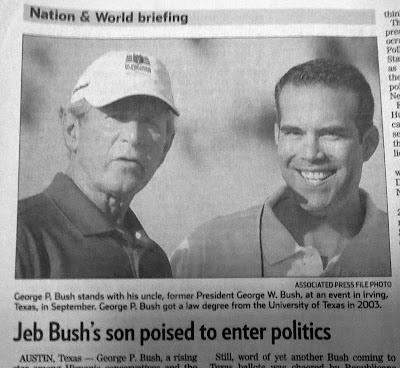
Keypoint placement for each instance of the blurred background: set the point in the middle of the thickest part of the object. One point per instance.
(223, 158)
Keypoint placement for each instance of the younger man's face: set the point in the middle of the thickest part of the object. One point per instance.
(319, 148)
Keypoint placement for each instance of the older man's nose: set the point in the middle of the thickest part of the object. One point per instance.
(132, 132)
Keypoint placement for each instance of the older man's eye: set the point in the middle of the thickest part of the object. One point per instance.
(151, 122)
(145, 121)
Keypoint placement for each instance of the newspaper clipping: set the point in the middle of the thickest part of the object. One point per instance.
(189, 186)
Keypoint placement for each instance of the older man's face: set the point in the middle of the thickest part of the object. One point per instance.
(120, 146)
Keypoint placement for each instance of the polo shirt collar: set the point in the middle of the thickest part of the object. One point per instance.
(277, 242)
(372, 218)
(81, 211)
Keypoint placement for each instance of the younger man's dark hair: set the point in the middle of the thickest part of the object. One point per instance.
(333, 74)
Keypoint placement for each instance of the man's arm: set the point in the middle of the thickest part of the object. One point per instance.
(31, 260)
(188, 259)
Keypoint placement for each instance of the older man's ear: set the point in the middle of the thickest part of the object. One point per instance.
(71, 127)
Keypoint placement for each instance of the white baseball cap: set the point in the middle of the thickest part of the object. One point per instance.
(119, 74)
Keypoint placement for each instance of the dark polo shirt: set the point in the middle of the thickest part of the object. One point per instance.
(63, 235)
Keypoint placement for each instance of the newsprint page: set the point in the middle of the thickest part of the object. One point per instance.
(209, 185)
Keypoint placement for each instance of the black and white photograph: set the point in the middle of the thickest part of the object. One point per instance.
(200, 184)
(201, 158)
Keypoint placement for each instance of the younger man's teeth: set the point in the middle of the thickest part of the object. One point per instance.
(316, 175)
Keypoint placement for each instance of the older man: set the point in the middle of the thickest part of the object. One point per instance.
(118, 129)
(321, 223)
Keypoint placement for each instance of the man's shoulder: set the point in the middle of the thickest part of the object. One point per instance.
(376, 220)
(376, 230)
(230, 225)
(38, 214)
(37, 211)
(237, 220)
(381, 217)
(33, 220)
(368, 253)
(32, 205)
(227, 246)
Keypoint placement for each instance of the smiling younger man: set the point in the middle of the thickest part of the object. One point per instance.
(321, 223)
(118, 129)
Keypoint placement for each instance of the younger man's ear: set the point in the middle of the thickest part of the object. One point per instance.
(370, 141)
(71, 126)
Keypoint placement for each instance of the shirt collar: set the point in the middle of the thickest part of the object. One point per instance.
(81, 211)
(277, 242)
(372, 219)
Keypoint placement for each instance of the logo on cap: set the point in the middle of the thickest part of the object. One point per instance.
(137, 62)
